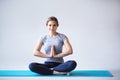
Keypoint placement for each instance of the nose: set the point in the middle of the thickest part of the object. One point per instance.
(52, 27)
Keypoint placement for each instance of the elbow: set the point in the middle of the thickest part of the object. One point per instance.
(70, 51)
(35, 53)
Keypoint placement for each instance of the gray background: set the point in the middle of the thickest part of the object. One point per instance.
(92, 26)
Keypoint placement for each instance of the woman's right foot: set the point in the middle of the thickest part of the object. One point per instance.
(56, 72)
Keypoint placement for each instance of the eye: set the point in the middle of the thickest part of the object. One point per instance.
(49, 25)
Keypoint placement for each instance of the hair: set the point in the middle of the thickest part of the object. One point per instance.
(52, 18)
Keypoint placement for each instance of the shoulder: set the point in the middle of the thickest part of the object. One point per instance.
(62, 36)
(43, 37)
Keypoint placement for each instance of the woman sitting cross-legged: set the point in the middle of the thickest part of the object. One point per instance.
(53, 44)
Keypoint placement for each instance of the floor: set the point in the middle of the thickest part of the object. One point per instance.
(116, 76)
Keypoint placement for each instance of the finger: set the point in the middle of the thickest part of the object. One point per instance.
(52, 47)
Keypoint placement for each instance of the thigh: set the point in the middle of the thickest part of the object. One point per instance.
(67, 66)
(51, 64)
(35, 65)
(40, 68)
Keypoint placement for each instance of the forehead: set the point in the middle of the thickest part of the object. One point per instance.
(52, 22)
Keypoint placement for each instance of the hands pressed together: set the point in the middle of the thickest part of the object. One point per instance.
(53, 53)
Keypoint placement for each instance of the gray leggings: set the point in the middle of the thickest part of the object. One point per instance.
(45, 68)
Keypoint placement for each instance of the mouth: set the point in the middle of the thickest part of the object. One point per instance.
(51, 29)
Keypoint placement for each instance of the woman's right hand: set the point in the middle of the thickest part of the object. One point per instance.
(52, 53)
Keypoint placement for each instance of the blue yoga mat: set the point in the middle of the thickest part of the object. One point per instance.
(75, 73)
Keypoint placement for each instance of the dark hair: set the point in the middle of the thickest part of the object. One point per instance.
(52, 18)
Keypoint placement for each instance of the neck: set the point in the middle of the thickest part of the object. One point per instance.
(52, 34)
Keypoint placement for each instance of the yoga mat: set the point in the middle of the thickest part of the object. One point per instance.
(75, 73)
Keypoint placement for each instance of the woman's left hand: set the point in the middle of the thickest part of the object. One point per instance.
(53, 53)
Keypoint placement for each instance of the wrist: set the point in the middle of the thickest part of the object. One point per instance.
(50, 55)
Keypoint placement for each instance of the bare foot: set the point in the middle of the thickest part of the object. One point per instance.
(56, 72)
(51, 68)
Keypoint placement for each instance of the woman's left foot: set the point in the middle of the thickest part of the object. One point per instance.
(56, 72)
(68, 73)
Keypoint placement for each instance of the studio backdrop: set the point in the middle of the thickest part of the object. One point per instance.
(92, 26)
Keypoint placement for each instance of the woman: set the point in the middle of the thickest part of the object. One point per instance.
(53, 44)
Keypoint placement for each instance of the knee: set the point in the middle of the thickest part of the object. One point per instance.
(73, 63)
(32, 66)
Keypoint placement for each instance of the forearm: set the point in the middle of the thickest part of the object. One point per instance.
(63, 54)
(40, 54)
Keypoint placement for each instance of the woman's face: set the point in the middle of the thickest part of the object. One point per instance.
(52, 26)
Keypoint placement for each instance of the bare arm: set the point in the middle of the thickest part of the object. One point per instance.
(37, 51)
(68, 50)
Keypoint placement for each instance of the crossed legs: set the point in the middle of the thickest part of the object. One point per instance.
(50, 68)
